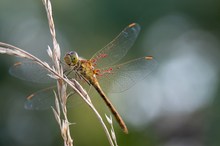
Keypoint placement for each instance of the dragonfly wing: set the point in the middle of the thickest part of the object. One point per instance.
(40, 100)
(118, 48)
(30, 71)
(121, 77)
(45, 99)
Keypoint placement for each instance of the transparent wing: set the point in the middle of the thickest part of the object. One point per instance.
(30, 71)
(121, 77)
(40, 100)
(45, 98)
(118, 48)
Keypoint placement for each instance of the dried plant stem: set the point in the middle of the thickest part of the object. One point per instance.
(56, 72)
(74, 84)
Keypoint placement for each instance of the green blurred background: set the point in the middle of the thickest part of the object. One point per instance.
(177, 105)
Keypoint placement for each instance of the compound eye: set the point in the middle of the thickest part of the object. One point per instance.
(67, 59)
(71, 58)
(74, 57)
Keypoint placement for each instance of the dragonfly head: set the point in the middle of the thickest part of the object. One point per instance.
(71, 58)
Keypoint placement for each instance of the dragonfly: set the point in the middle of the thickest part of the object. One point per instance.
(100, 71)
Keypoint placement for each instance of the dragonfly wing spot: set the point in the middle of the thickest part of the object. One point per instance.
(148, 57)
(132, 24)
(30, 96)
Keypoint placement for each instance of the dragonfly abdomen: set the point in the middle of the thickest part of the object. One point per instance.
(110, 106)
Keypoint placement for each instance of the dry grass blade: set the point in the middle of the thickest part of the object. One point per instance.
(74, 84)
(56, 72)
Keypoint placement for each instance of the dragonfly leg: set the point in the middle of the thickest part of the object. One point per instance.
(84, 78)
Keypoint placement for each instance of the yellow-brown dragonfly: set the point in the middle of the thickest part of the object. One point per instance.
(99, 71)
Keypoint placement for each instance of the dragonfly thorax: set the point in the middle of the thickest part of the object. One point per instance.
(80, 66)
